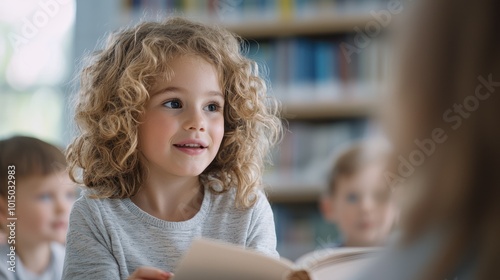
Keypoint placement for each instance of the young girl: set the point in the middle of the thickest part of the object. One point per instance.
(39, 192)
(175, 125)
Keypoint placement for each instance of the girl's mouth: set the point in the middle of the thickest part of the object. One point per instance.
(191, 149)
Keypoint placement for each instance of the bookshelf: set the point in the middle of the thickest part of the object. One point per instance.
(328, 110)
(294, 193)
(324, 24)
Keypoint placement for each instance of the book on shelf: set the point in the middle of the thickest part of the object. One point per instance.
(238, 10)
(307, 149)
(211, 259)
(316, 68)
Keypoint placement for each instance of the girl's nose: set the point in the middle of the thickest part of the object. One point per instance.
(194, 120)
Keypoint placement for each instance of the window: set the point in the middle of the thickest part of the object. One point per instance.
(35, 67)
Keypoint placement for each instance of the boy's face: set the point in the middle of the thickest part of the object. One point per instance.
(361, 207)
(43, 204)
(183, 125)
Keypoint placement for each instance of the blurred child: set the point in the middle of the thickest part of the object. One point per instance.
(175, 125)
(358, 200)
(39, 193)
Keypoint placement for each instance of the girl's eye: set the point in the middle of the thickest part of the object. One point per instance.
(174, 104)
(352, 198)
(212, 107)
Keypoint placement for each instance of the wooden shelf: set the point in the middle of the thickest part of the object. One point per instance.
(327, 110)
(325, 24)
(293, 193)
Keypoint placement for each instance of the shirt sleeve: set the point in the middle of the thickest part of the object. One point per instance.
(88, 254)
(4, 271)
(262, 234)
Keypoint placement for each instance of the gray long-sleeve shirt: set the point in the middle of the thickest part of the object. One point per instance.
(110, 238)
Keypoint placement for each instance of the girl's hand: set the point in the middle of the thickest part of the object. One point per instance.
(150, 273)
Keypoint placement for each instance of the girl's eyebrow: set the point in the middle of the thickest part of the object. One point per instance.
(183, 90)
(168, 89)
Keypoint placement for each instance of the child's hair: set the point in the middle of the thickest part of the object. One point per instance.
(352, 160)
(449, 63)
(31, 157)
(115, 88)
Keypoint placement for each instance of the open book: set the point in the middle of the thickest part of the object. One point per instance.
(210, 259)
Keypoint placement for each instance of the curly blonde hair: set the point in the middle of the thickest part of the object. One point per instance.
(115, 88)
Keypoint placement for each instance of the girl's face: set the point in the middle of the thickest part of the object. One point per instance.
(183, 124)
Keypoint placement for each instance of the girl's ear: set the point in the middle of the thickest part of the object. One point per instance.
(327, 208)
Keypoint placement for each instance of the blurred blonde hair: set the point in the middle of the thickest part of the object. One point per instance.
(115, 88)
(450, 44)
